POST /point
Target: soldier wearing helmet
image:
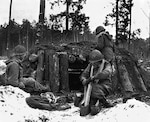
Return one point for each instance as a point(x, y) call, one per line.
point(101, 82)
point(104, 43)
point(14, 72)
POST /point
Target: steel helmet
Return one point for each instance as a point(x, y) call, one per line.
point(95, 56)
point(99, 29)
point(19, 50)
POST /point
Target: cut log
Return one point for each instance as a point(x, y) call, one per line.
point(141, 82)
point(54, 71)
point(46, 67)
point(145, 76)
point(124, 76)
point(135, 76)
point(115, 79)
point(63, 71)
point(40, 67)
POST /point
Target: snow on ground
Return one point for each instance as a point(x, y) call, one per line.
point(13, 108)
point(2, 66)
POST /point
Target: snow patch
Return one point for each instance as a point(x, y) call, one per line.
point(13, 108)
point(2, 67)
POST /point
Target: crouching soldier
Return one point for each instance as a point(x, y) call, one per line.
point(100, 81)
point(14, 73)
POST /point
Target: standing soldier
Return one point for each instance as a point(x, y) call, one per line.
point(105, 43)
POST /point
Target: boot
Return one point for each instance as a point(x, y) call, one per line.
point(77, 100)
point(95, 109)
point(127, 96)
point(84, 110)
point(95, 106)
point(105, 103)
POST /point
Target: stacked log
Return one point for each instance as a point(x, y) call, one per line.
point(46, 67)
point(130, 75)
point(123, 76)
point(63, 71)
point(54, 71)
point(40, 67)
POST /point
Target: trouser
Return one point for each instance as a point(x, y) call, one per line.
point(33, 85)
point(38, 102)
point(100, 90)
point(2, 79)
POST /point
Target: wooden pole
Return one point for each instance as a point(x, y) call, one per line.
point(42, 11)
point(130, 11)
point(41, 19)
point(149, 30)
point(68, 2)
point(117, 22)
point(27, 41)
point(8, 36)
point(10, 8)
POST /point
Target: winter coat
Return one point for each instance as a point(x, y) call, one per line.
point(14, 77)
point(14, 72)
point(101, 85)
point(105, 45)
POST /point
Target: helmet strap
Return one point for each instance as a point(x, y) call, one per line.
point(98, 35)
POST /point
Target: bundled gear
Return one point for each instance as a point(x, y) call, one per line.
point(48, 101)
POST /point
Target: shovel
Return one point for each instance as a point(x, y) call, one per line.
point(85, 110)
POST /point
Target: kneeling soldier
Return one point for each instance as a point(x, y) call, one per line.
point(101, 81)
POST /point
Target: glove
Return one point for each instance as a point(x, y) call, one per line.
point(90, 79)
point(84, 81)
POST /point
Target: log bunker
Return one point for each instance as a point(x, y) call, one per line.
point(60, 66)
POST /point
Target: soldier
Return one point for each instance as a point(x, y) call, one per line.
point(101, 81)
point(105, 43)
point(14, 72)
